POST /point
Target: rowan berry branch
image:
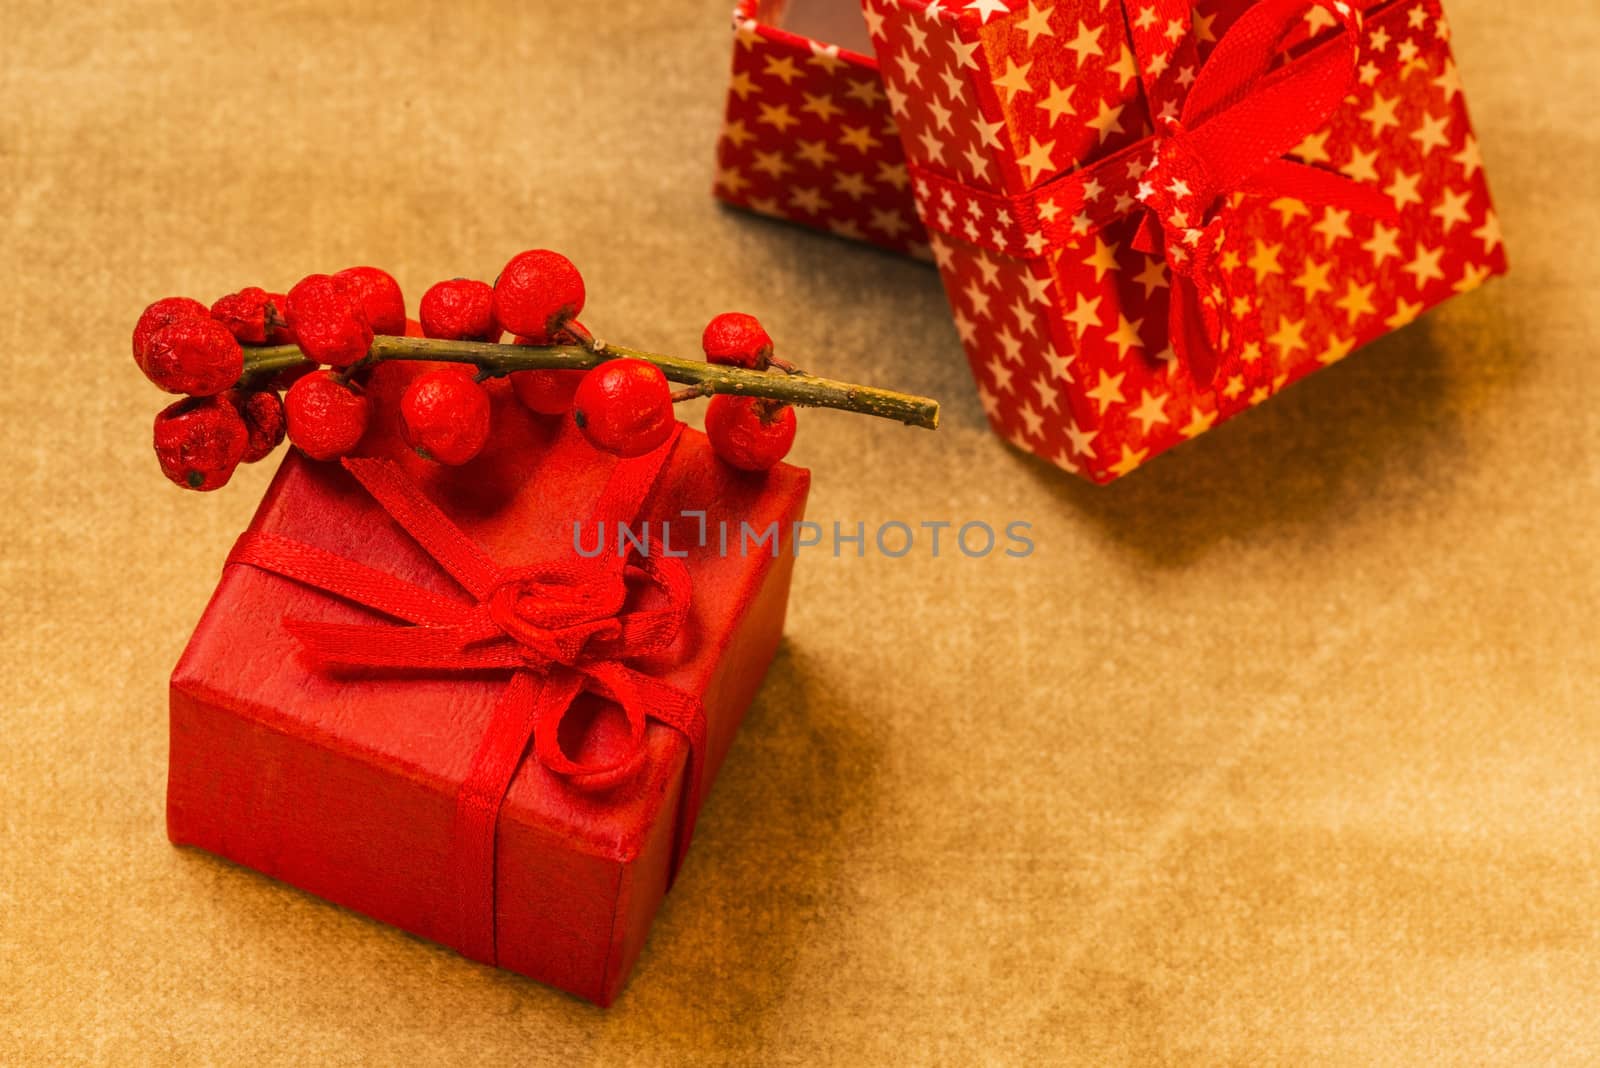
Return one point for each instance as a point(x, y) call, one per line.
point(495, 360)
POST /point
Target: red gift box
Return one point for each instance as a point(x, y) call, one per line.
point(1152, 214)
point(807, 135)
point(391, 770)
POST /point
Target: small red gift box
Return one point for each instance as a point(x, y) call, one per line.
point(808, 136)
point(1153, 214)
point(412, 694)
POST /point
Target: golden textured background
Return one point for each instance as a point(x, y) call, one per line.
point(1284, 751)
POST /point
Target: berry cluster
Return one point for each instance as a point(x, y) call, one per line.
point(232, 412)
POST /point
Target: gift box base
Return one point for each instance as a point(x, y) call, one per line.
point(808, 136)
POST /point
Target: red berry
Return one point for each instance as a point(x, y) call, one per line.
point(329, 321)
point(195, 356)
point(460, 309)
point(548, 392)
point(750, 433)
point(199, 442)
point(326, 417)
point(249, 314)
point(380, 297)
point(286, 378)
point(163, 312)
point(445, 416)
point(262, 413)
point(279, 332)
point(737, 339)
point(536, 294)
point(624, 407)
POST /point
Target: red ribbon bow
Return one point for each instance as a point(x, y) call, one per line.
point(1227, 139)
point(560, 629)
point(1237, 122)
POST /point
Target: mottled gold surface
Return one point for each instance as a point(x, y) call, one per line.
point(1284, 751)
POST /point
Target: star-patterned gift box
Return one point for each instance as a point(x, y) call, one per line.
point(807, 135)
point(1084, 166)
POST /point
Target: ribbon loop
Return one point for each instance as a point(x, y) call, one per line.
point(1238, 101)
point(602, 679)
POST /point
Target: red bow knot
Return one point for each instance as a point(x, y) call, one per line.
point(560, 630)
point(1180, 196)
point(1183, 224)
point(574, 613)
point(552, 613)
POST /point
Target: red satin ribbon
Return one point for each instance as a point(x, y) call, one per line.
point(1236, 123)
point(559, 629)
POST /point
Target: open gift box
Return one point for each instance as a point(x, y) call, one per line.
point(1151, 215)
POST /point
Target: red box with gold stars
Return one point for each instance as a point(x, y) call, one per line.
point(808, 136)
point(1151, 215)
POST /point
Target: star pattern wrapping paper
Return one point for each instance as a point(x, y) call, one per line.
point(808, 137)
point(1067, 337)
